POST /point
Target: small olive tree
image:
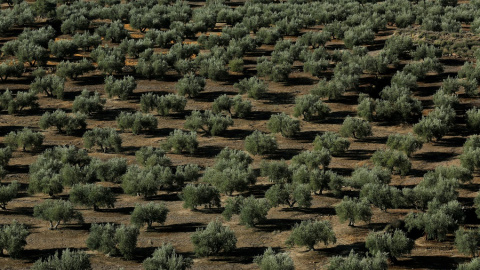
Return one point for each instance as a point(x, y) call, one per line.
point(92, 195)
point(195, 195)
point(149, 213)
point(283, 124)
point(56, 211)
point(113, 240)
point(355, 127)
point(165, 257)
point(68, 260)
point(179, 141)
point(120, 87)
point(213, 239)
point(331, 141)
point(310, 232)
point(270, 260)
point(25, 139)
point(311, 108)
point(353, 210)
point(105, 138)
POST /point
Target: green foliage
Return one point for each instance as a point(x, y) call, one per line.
point(13, 238)
point(179, 141)
point(110, 170)
point(195, 195)
point(52, 85)
point(470, 158)
point(354, 262)
point(270, 260)
point(259, 143)
point(149, 213)
point(108, 60)
point(229, 177)
point(473, 120)
point(56, 211)
point(74, 69)
point(151, 65)
point(33, 54)
point(467, 241)
point(251, 211)
point(472, 265)
point(358, 35)
point(312, 159)
point(149, 157)
point(190, 85)
point(112, 240)
point(436, 124)
point(68, 260)
point(326, 179)
point(311, 107)
point(332, 89)
point(383, 196)
point(63, 122)
point(86, 104)
point(146, 181)
point(439, 219)
point(115, 31)
point(213, 239)
point(394, 244)
point(278, 172)
point(406, 143)
point(363, 175)
point(310, 232)
point(209, 122)
point(62, 48)
point(355, 127)
point(25, 139)
point(21, 101)
point(236, 65)
point(91, 195)
point(353, 210)
point(120, 87)
point(10, 68)
point(134, 47)
point(8, 193)
point(242, 108)
point(86, 40)
point(397, 103)
point(136, 122)
point(164, 104)
point(5, 155)
point(105, 138)
point(477, 205)
point(289, 194)
point(332, 142)
point(392, 160)
point(165, 257)
point(283, 124)
point(253, 86)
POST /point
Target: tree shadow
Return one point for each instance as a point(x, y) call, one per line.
point(181, 228)
point(286, 154)
point(118, 210)
point(434, 156)
point(236, 134)
point(279, 98)
point(429, 262)
point(259, 115)
point(323, 211)
point(208, 151)
point(344, 250)
point(242, 255)
point(358, 154)
point(277, 224)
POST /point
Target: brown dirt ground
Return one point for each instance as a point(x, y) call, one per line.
point(181, 223)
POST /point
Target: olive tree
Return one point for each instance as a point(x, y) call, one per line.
point(283, 124)
point(310, 232)
point(355, 127)
point(165, 257)
point(62, 48)
point(56, 211)
point(63, 122)
point(394, 244)
point(136, 122)
point(311, 108)
point(113, 240)
point(146, 181)
point(13, 238)
point(332, 142)
point(213, 239)
point(190, 85)
point(105, 138)
point(251, 211)
point(270, 260)
point(208, 122)
point(353, 210)
point(472, 265)
point(289, 194)
point(25, 139)
point(253, 86)
point(355, 262)
point(195, 195)
point(179, 141)
point(86, 104)
point(473, 120)
point(68, 260)
point(392, 160)
point(164, 104)
point(120, 87)
point(259, 143)
point(10, 69)
point(242, 108)
point(149, 213)
point(406, 143)
point(467, 241)
point(52, 85)
point(149, 157)
point(92, 195)
point(74, 69)
point(8, 193)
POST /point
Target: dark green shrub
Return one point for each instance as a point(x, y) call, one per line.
point(68, 260)
point(74, 69)
point(165, 257)
point(63, 122)
point(355, 127)
point(8, 193)
point(52, 85)
point(353, 210)
point(86, 104)
point(120, 87)
point(10, 68)
point(213, 239)
point(25, 139)
point(113, 240)
point(208, 122)
point(393, 160)
point(331, 141)
point(251, 211)
point(274, 261)
point(311, 107)
point(146, 181)
point(62, 48)
point(136, 122)
point(148, 214)
point(105, 138)
point(179, 141)
point(289, 194)
point(190, 85)
point(467, 241)
point(56, 211)
point(91, 195)
point(201, 194)
point(149, 157)
point(254, 87)
point(283, 124)
point(310, 232)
